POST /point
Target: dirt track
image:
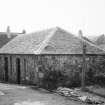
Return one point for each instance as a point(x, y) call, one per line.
point(21, 95)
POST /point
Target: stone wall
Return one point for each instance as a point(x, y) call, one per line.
point(33, 67)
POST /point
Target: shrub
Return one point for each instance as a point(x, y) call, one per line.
point(53, 79)
point(100, 79)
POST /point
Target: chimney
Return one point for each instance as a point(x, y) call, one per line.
point(24, 31)
point(80, 34)
point(8, 32)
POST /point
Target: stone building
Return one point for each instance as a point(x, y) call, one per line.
point(25, 58)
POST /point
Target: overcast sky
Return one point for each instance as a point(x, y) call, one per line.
point(72, 15)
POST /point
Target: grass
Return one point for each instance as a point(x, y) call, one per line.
point(97, 90)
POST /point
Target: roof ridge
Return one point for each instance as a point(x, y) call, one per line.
point(45, 42)
point(37, 31)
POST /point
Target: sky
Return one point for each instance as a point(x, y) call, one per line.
point(71, 15)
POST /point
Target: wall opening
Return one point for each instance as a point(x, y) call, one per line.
point(18, 70)
point(24, 69)
point(11, 66)
point(6, 68)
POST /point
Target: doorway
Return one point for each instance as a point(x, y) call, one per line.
point(6, 68)
point(18, 70)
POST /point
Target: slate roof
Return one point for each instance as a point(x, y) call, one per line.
point(100, 41)
point(5, 39)
point(50, 41)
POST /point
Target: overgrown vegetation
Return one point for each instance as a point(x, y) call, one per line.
point(53, 79)
point(96, 72)
point(71, 76)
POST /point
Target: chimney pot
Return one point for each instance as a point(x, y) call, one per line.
point(80, 34)
point(24, 31)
